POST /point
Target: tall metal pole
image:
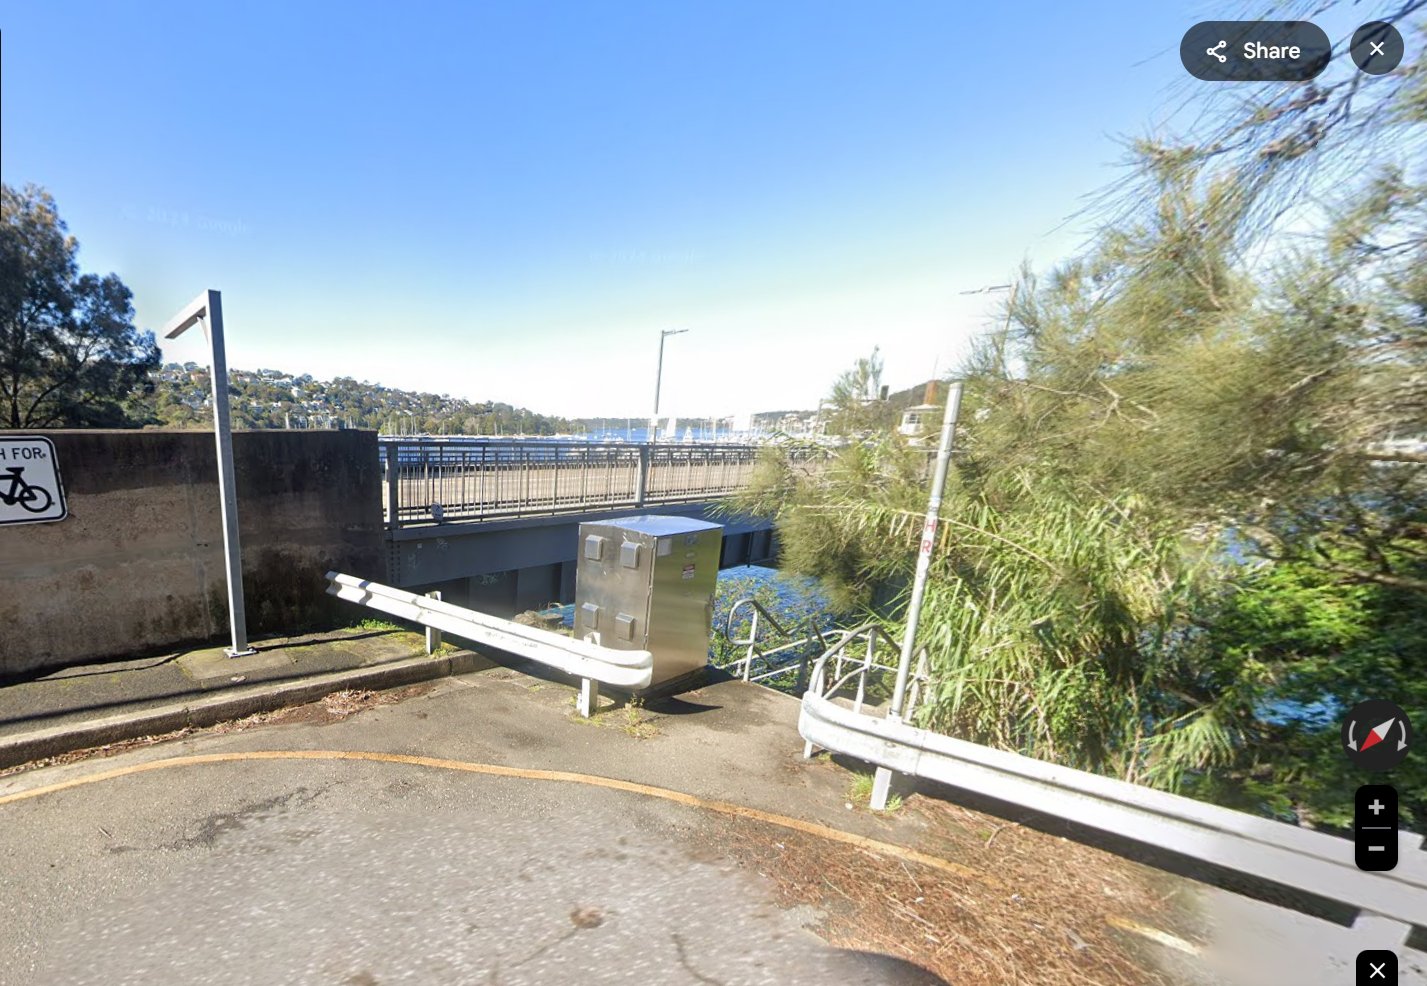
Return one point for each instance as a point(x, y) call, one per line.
point(227, 484)
point(659, 380)
point(882, 779)
point(924, 554)
point(207, 309)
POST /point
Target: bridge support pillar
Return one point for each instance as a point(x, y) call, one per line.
point(536, 586)
point(735, 550)
point(393, 493)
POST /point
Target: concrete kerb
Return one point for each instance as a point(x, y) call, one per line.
point(22, 748)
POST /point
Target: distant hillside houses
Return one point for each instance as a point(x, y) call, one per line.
point(267, 398)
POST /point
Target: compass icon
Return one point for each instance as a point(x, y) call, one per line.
point(1376, 735)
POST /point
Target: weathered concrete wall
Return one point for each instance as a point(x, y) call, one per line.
point(138, 564)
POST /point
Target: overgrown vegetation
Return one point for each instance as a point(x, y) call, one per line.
point(1186, 524)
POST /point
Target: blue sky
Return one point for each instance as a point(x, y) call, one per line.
point(508, 201)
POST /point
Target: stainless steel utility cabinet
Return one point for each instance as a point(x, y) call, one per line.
point(647, 583)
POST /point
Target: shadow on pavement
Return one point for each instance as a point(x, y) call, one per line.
point(62, 674)
point(665, 700)
point(891, 970)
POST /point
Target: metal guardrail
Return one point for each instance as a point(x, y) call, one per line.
point(436, 480)
point(591, 663)
point(1315, 862)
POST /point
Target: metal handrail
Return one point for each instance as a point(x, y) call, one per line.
point(756, 651)
point(758, 610)
point(860, 668)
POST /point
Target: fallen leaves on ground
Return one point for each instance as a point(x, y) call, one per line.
point(1048, 924)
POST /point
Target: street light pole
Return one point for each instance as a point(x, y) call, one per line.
point(924, 552)
point(207, 308)
point(882, 779)
point(659, 380)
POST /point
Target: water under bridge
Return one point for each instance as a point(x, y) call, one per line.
point(492, 524)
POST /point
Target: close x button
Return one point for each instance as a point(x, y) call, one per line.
point(1376, 967)
point(1375, 827)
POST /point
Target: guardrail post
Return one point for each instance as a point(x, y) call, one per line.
point(641, 481)
point(589, 700)
point(393, 500)
point(881, 789)
point(433, 636)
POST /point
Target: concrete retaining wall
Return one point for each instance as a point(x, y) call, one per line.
point(138, 565)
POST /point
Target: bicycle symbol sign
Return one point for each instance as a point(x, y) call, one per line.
point(30, 488)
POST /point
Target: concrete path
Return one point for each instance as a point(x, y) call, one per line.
point(83, 693)
point(95, 705)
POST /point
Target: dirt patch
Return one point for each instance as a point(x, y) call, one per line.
point(1047, 913)
point(331, 708)
point(628, 716)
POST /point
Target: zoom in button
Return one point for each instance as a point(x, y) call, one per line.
point(1255, 51)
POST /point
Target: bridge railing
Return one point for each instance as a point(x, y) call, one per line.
point(436, 480)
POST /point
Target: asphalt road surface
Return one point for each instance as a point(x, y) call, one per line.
point(316, 868)
point(358, 872)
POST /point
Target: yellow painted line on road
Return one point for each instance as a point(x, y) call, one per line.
point(1154, 934)
point(560, 776)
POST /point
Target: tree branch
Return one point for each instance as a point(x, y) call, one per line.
point(1381, 578)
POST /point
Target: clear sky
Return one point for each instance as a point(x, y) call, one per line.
point(507, 201)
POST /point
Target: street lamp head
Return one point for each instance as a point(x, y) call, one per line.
point(189, 316)
point(672, 332)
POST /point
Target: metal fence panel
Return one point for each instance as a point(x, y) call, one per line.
point(436, 481)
